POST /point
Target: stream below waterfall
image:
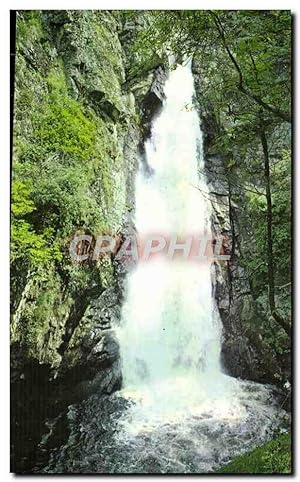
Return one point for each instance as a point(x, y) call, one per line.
point(113, 434)
point(178, 412)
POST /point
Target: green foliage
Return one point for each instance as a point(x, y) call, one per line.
point(281, 198)
point(62, 126)
point(25, 242)
point(66, 161)
point(245, 56)
point(29, 27)
point(58, 157)
point(22, 204)
point(254, 220)
point(273, 457)
point(67, 147)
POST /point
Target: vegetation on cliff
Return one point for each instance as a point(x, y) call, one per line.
point(70, 122)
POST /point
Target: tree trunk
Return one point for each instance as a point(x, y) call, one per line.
point(283, 323)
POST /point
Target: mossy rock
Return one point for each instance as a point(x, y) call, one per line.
point(273, 457)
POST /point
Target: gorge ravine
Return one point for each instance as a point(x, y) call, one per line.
point(178, 412)
point(65, 354)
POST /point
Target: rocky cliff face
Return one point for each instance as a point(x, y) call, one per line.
point(63, 317)
point(246, 352)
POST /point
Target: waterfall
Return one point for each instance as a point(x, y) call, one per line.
point(170, 336)
point(177, 412)
point(171, 333)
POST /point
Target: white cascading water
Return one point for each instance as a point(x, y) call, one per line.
point(171, 334)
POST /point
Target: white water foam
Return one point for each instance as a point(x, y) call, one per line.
point(171, 333)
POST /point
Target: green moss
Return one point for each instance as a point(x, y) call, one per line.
point(29, 27)
point(42, 322)
point(106, 272)
point(62, 125)
point(111, 73)
point(273, 457)
point(89, 40)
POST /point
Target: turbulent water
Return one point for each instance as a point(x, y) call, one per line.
point(170, 338)
point(178, 411)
